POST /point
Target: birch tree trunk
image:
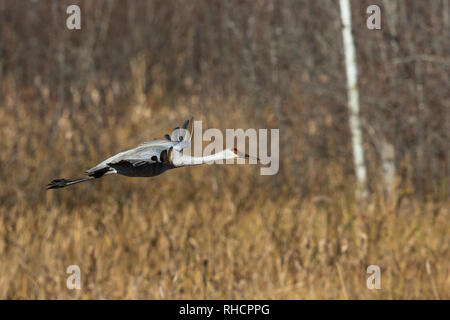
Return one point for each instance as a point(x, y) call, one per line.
point(353, 97)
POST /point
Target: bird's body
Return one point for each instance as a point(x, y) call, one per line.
point(150, 158)
point(142, 161)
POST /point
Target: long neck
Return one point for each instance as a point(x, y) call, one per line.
point(185, 160)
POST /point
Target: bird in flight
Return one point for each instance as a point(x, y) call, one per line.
point(151, 158)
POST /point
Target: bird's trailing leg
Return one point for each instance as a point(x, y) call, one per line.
point(61, 183)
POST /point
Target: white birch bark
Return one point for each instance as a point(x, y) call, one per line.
point(353, 96)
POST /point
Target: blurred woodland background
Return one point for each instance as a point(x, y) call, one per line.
point(136, 69)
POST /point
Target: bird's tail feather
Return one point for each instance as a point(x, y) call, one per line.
point(61, 183)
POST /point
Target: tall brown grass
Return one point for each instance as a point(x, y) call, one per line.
point(216, 232)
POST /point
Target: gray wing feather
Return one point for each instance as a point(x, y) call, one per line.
point(143, 154)
point(146, 152)
point(150, 143)
point(137, 162)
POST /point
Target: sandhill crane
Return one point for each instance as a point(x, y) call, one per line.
point(151, 158)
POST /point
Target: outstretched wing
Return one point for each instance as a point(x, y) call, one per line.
point(149, 152)
point(182, 136)
point(184, 133)
point(132, 162)
point(180, 139)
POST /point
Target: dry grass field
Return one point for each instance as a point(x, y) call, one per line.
point(136, 69)
point(216, 232)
